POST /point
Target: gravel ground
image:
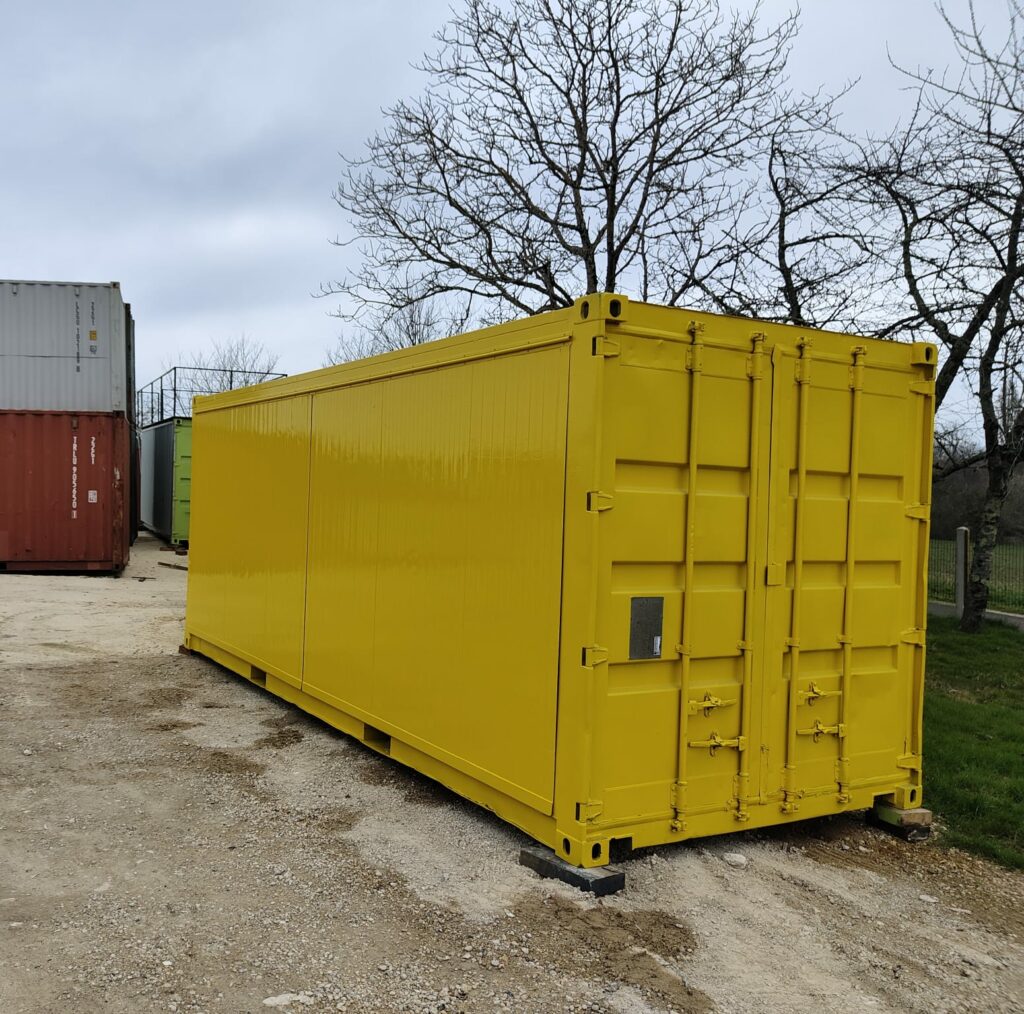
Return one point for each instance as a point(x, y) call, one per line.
point(173, 839)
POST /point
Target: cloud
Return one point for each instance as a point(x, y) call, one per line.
point(189, 151)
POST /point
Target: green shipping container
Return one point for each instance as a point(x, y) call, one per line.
point(166, 488)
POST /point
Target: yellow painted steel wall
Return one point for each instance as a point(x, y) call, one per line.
point(435, 562)
point(247, 553)
point(466, 532)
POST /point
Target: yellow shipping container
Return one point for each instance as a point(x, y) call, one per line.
point(623, 574)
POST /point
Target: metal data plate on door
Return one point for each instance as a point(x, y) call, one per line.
point(645, 622)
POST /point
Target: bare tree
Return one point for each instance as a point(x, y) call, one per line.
point(400, 329)
point(808, 239)
point(564, 146)
point(233, 363)
point(953, 180)
point(342, 351)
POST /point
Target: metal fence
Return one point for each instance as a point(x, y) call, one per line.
point(1005, 586)
point(942, 570)
point(170, 395)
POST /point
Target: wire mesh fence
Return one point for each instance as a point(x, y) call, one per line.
point(942, 570)
point(1005, 586)
point(170, 395)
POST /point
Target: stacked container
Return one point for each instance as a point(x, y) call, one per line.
point(68, 480)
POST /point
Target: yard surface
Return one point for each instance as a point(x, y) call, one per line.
point(173, 839)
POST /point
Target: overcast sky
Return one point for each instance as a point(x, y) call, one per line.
point(189, 151)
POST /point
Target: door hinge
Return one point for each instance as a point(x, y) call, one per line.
point(594, 654)
point(589, 811)
point(912, 636)
point(605, 346)
point(755, 361)
point(918, 511)
point(678, 807)
point(925, 387)
point(859, 352)
point(910, 761)
point(598, 501)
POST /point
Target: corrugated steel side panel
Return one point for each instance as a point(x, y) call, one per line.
point(181, 492)
point(435, 532)
point(251, 475)
point(157, 470)
point(543, 329)
point(63, 491)
point(133, 484)
point(63, 347)
point(166, 478)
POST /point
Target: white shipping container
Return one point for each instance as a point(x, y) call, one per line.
point(147, 476)
point(66, 347)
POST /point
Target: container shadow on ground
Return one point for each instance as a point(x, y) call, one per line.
point(375, 768)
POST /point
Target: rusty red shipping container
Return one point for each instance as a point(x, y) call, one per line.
point(64, 491)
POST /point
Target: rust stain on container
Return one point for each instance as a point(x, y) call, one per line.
point(64, 491)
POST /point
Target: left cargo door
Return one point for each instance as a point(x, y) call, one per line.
point(682, 556)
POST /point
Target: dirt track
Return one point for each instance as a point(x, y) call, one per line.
point(172, 839)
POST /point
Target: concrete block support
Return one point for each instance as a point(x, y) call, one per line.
point(910, 825)
point(600, 880)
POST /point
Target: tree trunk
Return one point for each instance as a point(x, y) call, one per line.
point(976, 599)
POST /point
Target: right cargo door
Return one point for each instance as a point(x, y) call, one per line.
point(843, 633)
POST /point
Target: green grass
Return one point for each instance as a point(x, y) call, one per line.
point(974, 738)
point(1005, 586)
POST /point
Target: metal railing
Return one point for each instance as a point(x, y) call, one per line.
point(170, 395)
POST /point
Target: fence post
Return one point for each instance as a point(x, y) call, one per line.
point(962, 567)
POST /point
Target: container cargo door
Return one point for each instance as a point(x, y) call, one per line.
point(682, 536)
point(760, 552)
point(845, 606)
point(63, 491)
